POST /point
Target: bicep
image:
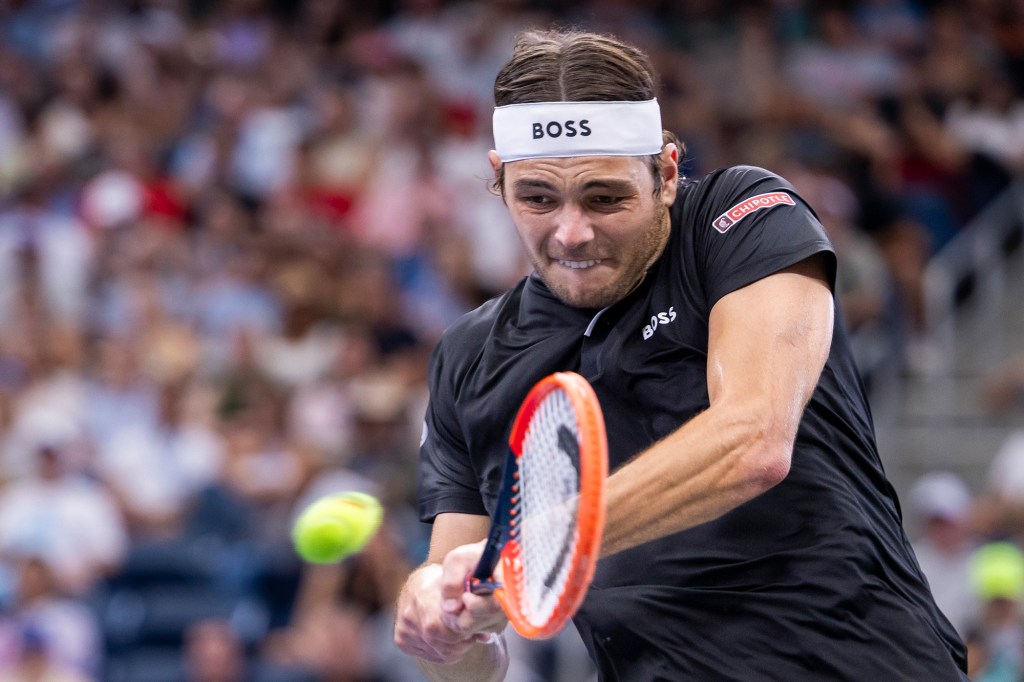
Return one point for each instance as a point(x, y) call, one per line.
point(768, 343)
point(453, 530)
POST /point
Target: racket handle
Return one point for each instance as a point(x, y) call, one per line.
point(481, 580)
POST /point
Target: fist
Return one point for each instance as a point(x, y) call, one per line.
point(436, 619)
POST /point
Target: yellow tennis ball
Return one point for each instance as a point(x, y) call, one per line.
point(336, 526)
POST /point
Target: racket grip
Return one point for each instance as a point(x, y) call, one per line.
point(481, 581)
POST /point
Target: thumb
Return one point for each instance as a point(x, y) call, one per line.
point(457, 565)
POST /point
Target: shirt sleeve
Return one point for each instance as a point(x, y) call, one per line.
point(447, 480)
point(750, 224)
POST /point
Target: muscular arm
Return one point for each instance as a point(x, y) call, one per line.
point(767, 345)
point(452, 635)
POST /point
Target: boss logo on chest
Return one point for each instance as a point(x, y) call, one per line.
point(659, 319)
point(561, 128)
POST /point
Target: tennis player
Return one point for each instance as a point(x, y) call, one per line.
point(751, 532)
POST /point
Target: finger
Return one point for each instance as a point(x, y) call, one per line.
point(457, 564)
point(410, 641)
point(450, 610)
point(481, 605)
point(447, 645)
point(483, 616)
point(474, 614)
point(451, 621)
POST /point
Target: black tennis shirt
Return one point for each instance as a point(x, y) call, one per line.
point(813, 580)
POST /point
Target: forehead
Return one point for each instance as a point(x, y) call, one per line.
point(578, 170)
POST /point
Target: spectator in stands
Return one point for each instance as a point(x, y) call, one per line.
point(942, 506)
point(248, 506)
point(70, 521)
point(1004, 500)
point(155, 468)
point(308, 343)
point(62, 630)
point(117, 395)
point(337, 158)
point(35, 663)
point(1003, 386)
point(997, 578)
point(43, 251)
point(213, 653)
point(235, 304)
point(48, 405)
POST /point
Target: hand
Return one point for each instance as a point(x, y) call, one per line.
point(437, 620)
point(464, 611)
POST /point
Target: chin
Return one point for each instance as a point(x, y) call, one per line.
point(601, 290)
point(586, 299)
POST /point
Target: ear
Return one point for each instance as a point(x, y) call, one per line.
point(495, 160)
point(499, 181)
point(669, 173)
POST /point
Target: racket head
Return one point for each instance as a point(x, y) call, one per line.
point(555, 536)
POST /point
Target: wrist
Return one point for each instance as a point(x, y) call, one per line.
point(486, 661)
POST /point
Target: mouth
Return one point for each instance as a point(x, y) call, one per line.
point(579, 264)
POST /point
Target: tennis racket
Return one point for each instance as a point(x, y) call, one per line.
point(547, 530)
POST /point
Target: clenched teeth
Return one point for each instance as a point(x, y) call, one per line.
point(579, 264)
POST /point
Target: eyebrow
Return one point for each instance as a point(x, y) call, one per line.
point(613, 185)
point(521, 185)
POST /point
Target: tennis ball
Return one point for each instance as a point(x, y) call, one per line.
point(336, 526)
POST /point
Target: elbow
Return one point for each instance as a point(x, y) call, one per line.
point(773, 466)
point(767, 460)
point(758, 445)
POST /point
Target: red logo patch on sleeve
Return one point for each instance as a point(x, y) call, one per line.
point(741, 210)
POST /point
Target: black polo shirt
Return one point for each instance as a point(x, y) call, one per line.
point(813, 580)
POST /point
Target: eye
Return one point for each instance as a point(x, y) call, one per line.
point(536, 200)
point(606, 202)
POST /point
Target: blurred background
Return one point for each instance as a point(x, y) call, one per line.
point(231, 232)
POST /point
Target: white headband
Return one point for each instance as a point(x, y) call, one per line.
point(560, 129)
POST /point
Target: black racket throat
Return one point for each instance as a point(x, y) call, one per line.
point(481, 581)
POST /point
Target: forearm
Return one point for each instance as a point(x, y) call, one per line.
point(485, 662)
point(712, 464)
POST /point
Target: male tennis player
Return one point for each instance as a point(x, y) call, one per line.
point(751, 532)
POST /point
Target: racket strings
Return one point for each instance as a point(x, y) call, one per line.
point(549, 489)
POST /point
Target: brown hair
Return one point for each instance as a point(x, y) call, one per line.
point(573, 66)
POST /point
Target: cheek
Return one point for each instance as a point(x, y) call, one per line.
point(624, 230)
point(532, 230)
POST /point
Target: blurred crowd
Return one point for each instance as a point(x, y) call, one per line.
point(231, 232)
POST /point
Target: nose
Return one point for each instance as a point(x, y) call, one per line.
point(573, 228)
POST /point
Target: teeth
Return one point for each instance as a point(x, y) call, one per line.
point(578, 264)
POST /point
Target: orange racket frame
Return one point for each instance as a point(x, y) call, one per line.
point(593, 463)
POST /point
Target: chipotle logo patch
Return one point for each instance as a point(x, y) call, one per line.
point(751, 205)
